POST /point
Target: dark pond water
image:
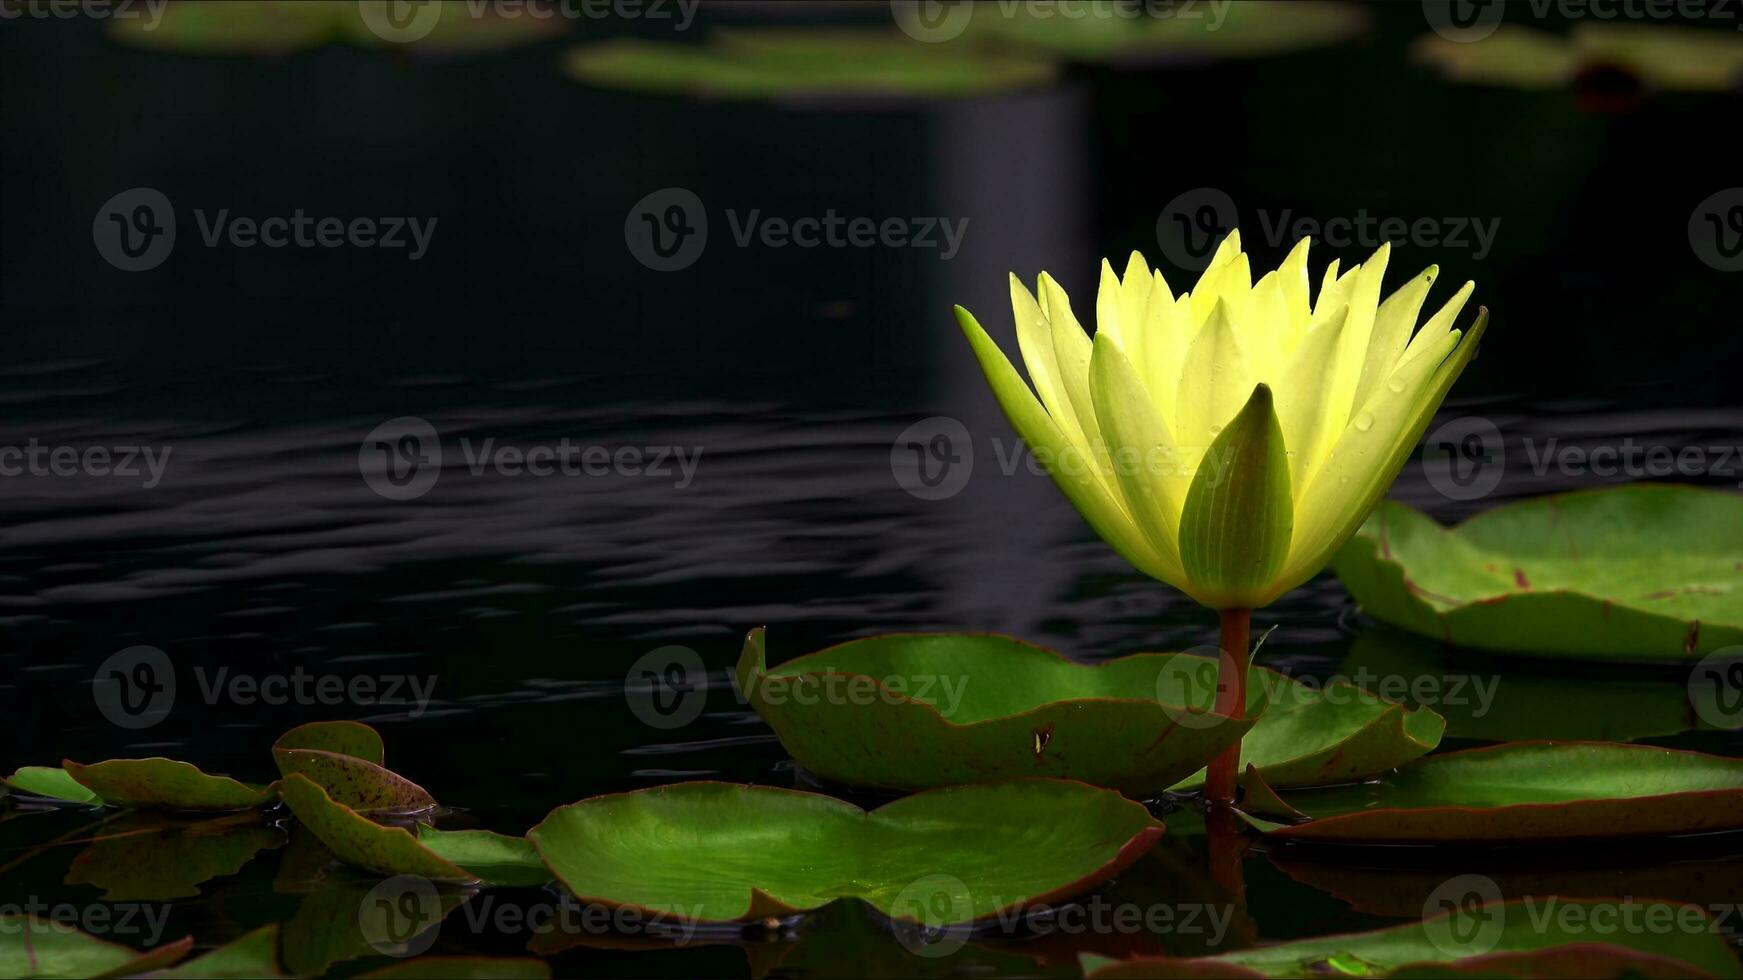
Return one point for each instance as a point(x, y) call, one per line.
point(518, 604)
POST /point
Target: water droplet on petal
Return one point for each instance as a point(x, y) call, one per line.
point(1396, 384)
point(1364, 421)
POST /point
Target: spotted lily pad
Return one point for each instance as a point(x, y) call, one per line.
point(921, 710)
point(34, 947)
point(1523, 791)
point(942, 857)
point(1499, 939)
point(803, 64)
point(165, 784)
point(355, 783)
point(1336, 732)
point(251, 955)
point(51, 783)
point(1643, 572)
point(280, 27)
point(352, 738)
point(360, 842)
point(1188, 34)
point(1656, 55)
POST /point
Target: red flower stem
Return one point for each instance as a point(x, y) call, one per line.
point(1231, 701)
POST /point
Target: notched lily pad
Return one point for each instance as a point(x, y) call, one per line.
point(923, 710)
point(1501, 939)
point(166, 784)
point(942, 857)
point(802, 65)
point(1643, 572)
point(360, 842)
point(34, 947)
point(50, 783)
point(1317, 735)
point(1525, 791)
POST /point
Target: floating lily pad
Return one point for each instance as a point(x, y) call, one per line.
point(355, 783)
point(160, 864)
point(1502, 939)
point(360, 842)
point(462, 968)
point(165, 784)
point(352, 738)
point(251, 955)
point(51, 783)
point(1524, 791)
point(33, 947)
point(915, 711)
point(280, 27)
point(494, 858)
point(938, 858)
point(803, 64)
point(1187, 35)
point(1643, 572)
point(1658, 55)
point(1316, 735)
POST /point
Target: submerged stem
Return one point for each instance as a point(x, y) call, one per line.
point(1231, 701)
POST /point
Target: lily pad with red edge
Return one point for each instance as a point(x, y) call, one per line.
point(252, 955)
point(1317, 735)
point(1251, 29)
point(1526, 791)
point(942, 857)
point(805, 66)
point(352, 738)
point(34, 947)
point(1500, 939)
point(51, 783)
point(158, 861)
point(360, 842)
point(355, 783)
point(922, 710)
point(1637, 573)
point(165, 784)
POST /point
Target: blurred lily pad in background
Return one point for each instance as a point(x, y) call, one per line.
point(1636, 573)
point(805, 65)
point(278, 27)
point(1659, 56)
point(1166, 35)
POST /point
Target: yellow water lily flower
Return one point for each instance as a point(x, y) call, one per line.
point(1230, 439)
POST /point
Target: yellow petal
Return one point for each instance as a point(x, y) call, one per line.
point(1109, 310)
point(1346, 375)
point(1301, 394)
point(1392, 326)
point(1262, 321)
point(1438, 325)
point(1035, 341)
point(1141, 451)
point(1238, 519)
point(1078, 482)
point(1230, 281)
point(1214, 383)
point(1292, 275)
point(1071, 352)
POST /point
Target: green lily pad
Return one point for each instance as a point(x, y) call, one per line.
point(360, 842)
point(803, 64)
point(51, 783)
point(494, 858)
point(942, 857)
point(281, 27)
point(1502, 939)
point(33, 947)
point(355, 783)
point(1642, 572)
point(917, 711)
point(346, 918)
point(463, 968)
point(251, 955)
point(1525, 791)
point(166, 784)
point(1317, 735)
point(160, 864)
point(1190, 35)
point(1662, 56)
point(352, 738)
